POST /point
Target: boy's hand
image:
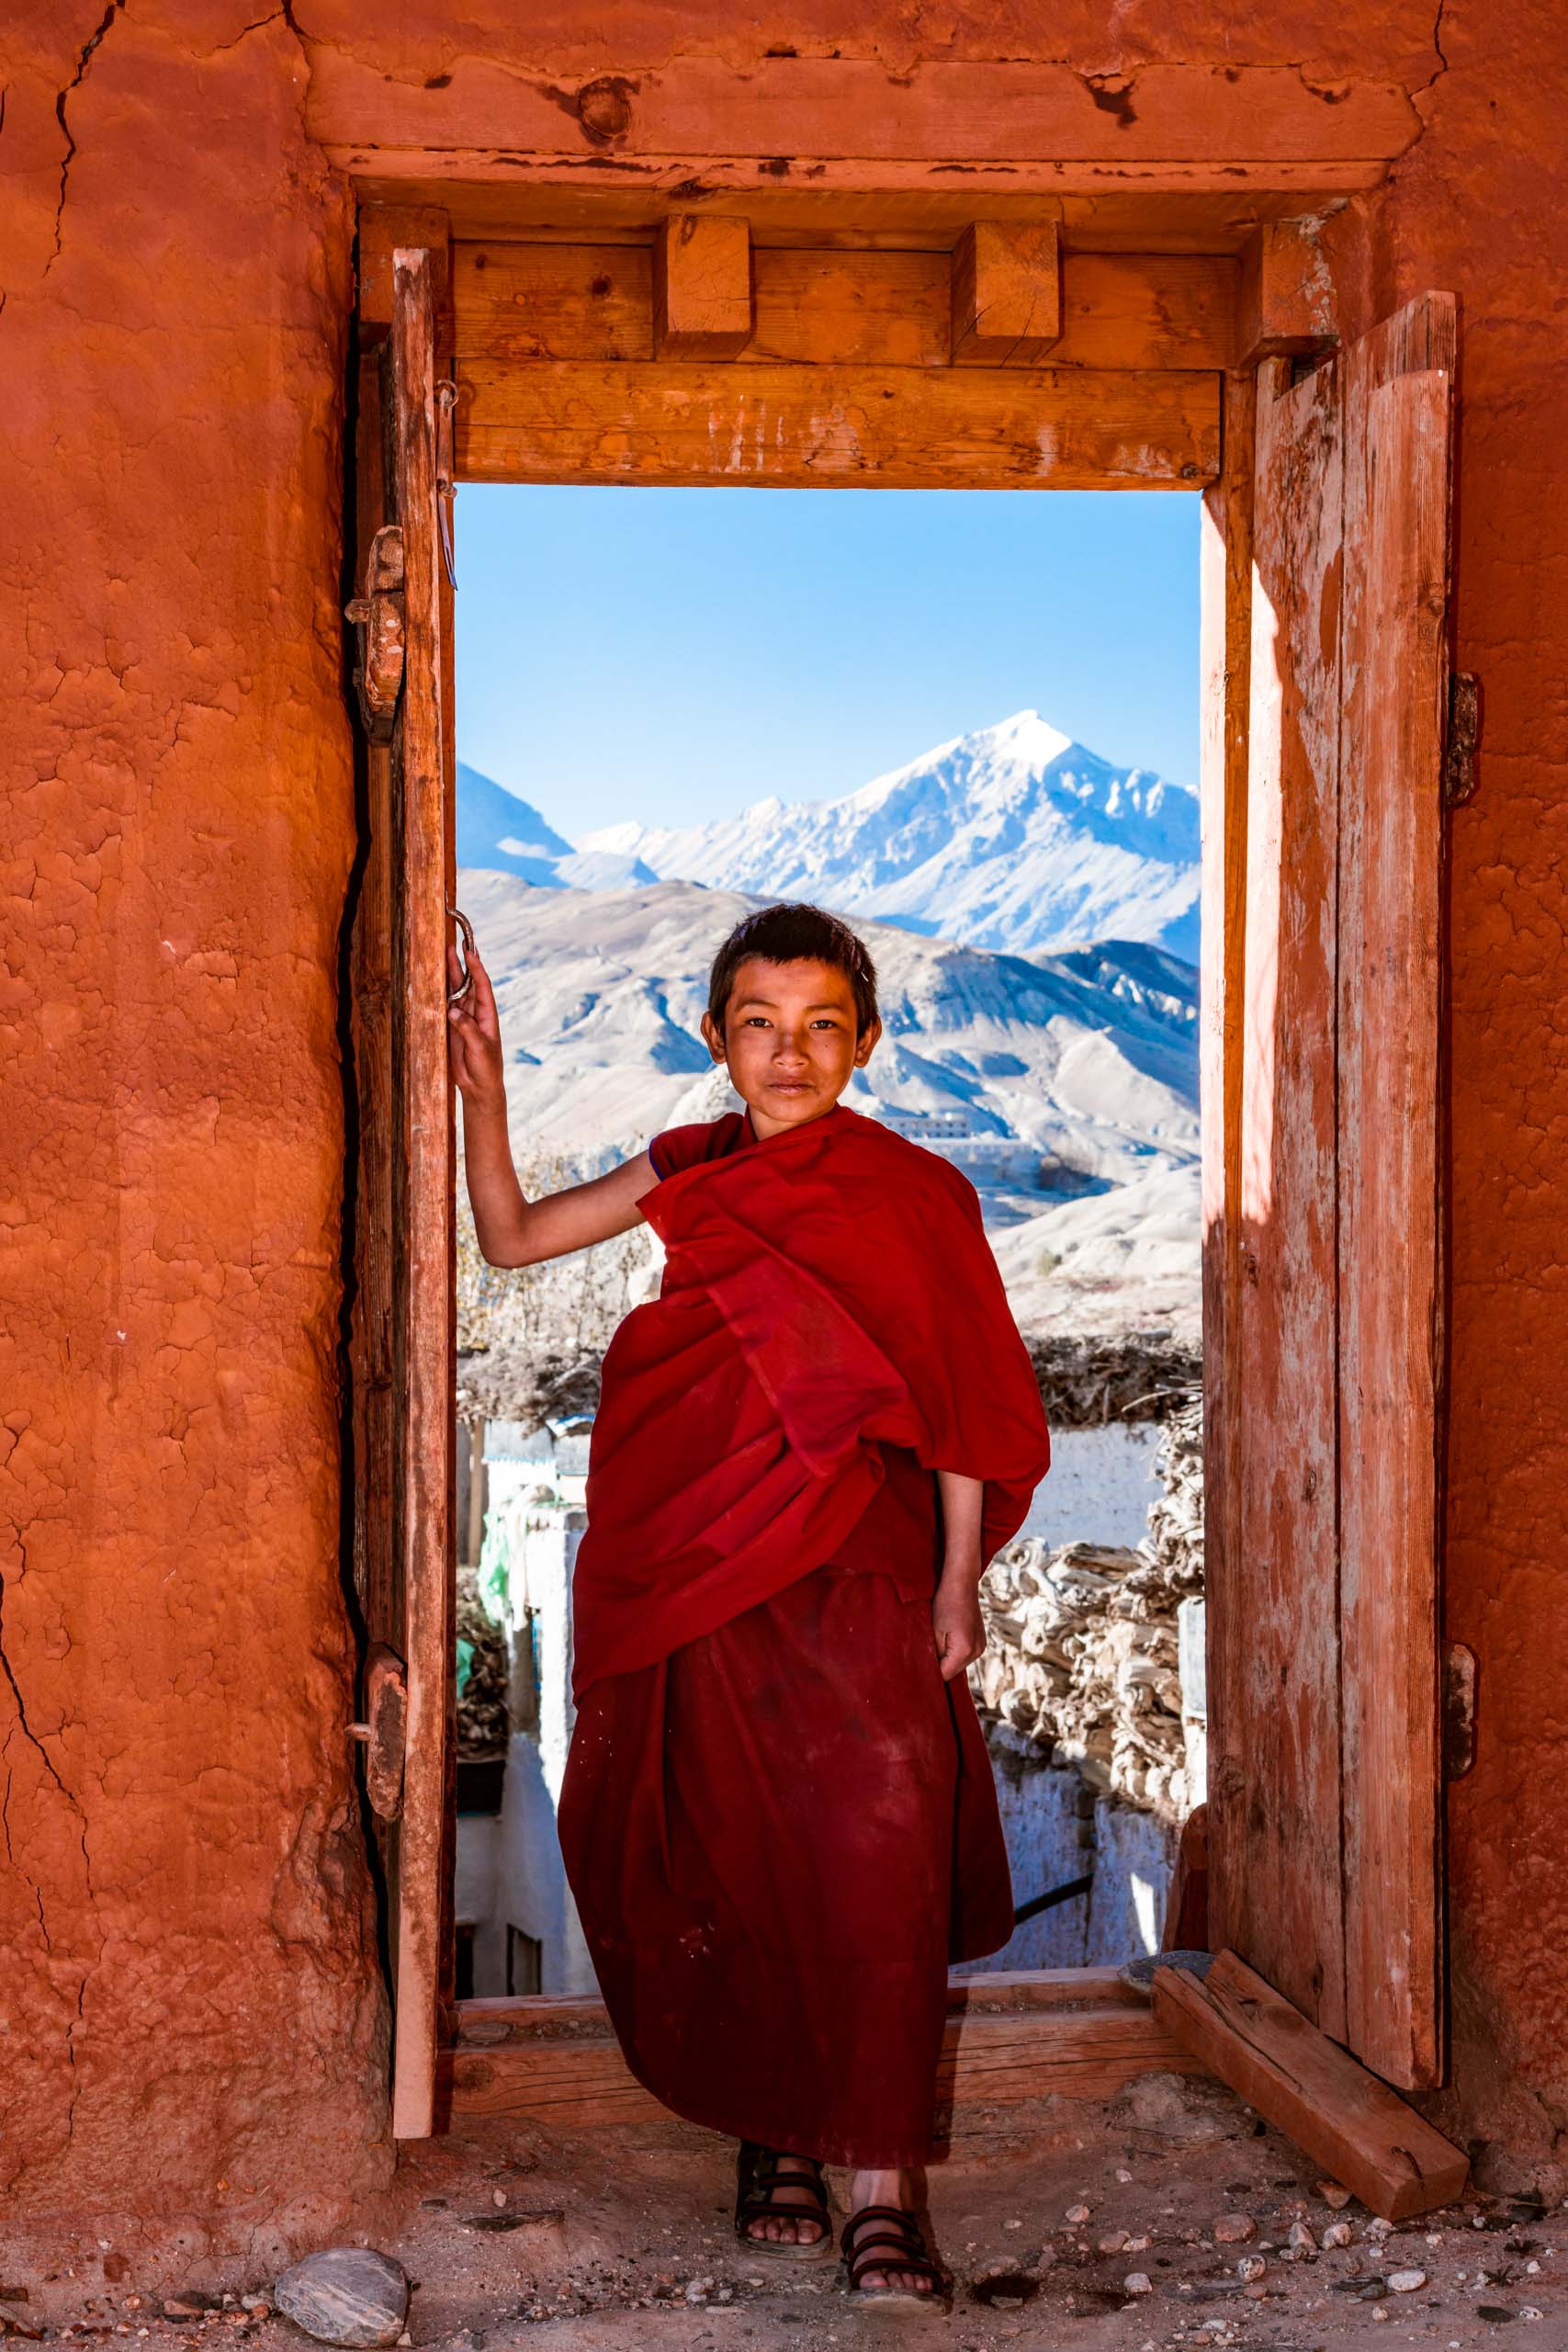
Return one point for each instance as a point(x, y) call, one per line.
point(473, 1034)
point(958, 1623)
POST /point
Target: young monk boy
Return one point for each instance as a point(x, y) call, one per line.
point(778, 1817)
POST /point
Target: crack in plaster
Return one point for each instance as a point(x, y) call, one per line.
point(62, 99)
point(1442, 64)
point(48, 1762)
point(283, 15)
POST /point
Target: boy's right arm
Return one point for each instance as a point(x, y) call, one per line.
point(511, 1230)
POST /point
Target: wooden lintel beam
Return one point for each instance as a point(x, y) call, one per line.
point(976, 429)
point(817, 306)
point(1310, 2088)
point(702, 287)
point(1007, 293)
point(1285, 303)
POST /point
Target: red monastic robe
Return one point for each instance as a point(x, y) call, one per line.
point(778, 1821)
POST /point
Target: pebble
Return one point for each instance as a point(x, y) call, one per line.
point(1378, 2312)
point(1337, 2233)
point(349, 2294)
point(1138, 2246)
point(1114, 2243)
point(1332, 2194)
point(1380, 2228)
point(1138, 2282)
point(1405, 2282)
point(1301, 2240)
point(1255, 2293)
point(1528, 2311)
point(1250, 2267)
point(1123, 2176)
point(498, 2196)
point(1235, 2229)
point(1078, 2214)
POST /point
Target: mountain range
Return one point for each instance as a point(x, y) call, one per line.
point(1063, 1085)
point(1013, 838)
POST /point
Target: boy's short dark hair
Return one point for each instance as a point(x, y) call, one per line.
point(792, 933)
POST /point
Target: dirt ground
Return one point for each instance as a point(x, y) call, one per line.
point(1064, 2224)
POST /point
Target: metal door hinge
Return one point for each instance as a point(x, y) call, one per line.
point(377, 614)
point(1464, 734)
point(383, 1732)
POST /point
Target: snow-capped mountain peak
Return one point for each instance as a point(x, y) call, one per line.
point(1013, 837)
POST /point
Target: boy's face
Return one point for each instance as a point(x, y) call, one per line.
point(790, 1040)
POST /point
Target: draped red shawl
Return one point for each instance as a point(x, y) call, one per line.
point(829, 1290)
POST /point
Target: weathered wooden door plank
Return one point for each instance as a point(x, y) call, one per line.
point(1275, 1785)
point(422, 1215)
point(1397, 403)
point(1226, 584)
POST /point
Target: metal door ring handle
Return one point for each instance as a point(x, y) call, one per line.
point(455, 914)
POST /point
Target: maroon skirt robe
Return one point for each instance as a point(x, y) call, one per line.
point(779, 1823)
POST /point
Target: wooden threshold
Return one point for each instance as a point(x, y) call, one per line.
point(1312, 2090)
point(1077, 2033)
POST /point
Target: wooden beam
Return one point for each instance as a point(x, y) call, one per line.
point(1275, 1784)
point(902, 427)
point(817, 306)
point(1007, 293)
point(1344, 2117)
point(1224, 574)
point(1398, 395)
point(1077, 2033)
point(382, 228)
point(422, 1198)
point(851, 206)
point(1286, 303)
point(797, 112)
point(702, 287)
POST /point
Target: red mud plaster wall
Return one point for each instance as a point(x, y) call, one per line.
point(1481, 205)
point(192, 2024)
point(192, 2027)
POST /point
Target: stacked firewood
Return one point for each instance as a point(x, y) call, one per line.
point(481, 1701)
point(1083, 1646)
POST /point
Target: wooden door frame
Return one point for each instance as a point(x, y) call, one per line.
point(598, 414)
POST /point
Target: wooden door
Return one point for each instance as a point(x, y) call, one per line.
point(402, 1356)
point(1323, 1218)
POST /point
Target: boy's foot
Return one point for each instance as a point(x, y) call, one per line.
point(885, 2255)
point(780, 2204)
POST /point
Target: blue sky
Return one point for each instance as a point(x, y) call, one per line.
point(672, 654)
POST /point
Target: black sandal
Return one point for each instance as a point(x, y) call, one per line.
point(886, 2237)
point(758, 2180)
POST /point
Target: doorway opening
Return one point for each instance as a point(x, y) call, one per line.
point(968, 723)
point(544, 360)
